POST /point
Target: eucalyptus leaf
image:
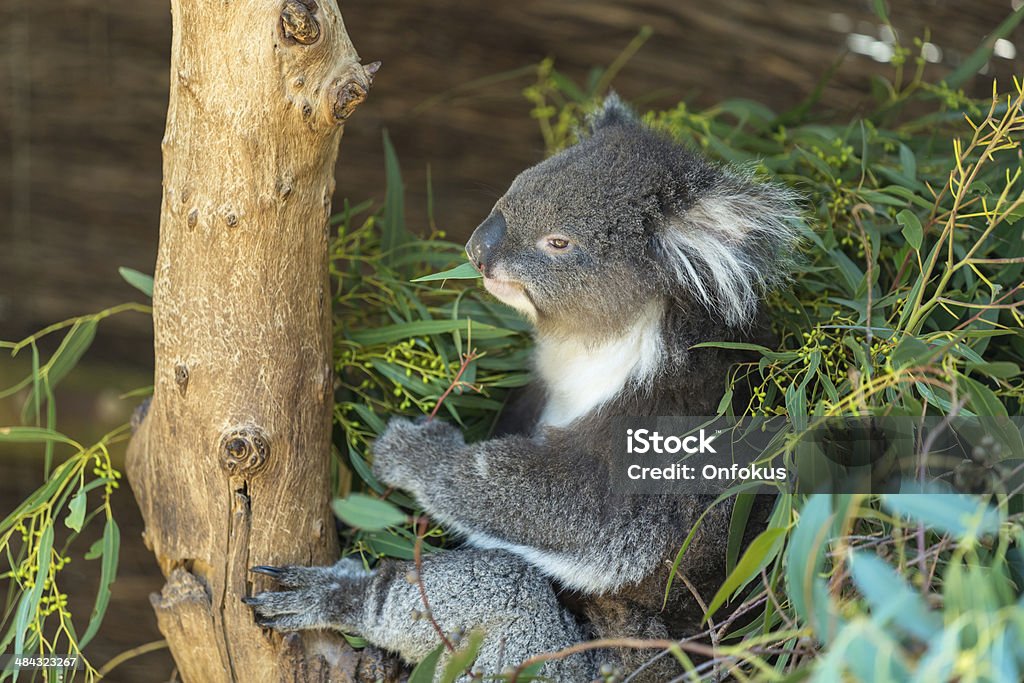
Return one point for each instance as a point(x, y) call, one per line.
point(463, 271)
point(912, 230)
point(76, 511)
point(365, 512)
point(140, 281)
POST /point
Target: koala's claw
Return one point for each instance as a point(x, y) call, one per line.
point(315, 597)
point(291, 577)
point(272, 572)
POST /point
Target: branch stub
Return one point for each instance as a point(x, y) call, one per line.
point(244, 450)
point(298, 22)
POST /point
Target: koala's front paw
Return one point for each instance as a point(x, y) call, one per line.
point(408, 450)
point(315, 597)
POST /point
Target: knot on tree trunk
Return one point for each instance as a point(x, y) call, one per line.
point(299, 22)
point(244, 450)
point(345, 94)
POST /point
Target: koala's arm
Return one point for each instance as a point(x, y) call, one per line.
point(542, 500)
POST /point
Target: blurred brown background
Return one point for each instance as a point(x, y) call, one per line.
point(83, 93)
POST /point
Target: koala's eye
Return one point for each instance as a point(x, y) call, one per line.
point(557, 243)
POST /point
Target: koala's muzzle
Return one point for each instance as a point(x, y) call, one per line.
point(485, 240)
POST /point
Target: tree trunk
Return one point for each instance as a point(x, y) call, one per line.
point(230, 464)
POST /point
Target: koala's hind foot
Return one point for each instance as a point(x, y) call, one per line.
point(315, 597)
point(468, 589)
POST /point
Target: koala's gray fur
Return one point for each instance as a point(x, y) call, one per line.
point(625, 251)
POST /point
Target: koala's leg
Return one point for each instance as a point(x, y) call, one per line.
point(468, 589)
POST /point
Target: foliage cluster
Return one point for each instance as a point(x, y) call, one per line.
point(44, 533)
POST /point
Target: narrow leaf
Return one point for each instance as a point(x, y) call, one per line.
point(34, 435)
point(890, 597)
point(951, 513)
point(394, 234)
point(463, 658)
point(424, 671)
point(140, 281)
point(464, 271)
point(108, 572)
point(761, 551)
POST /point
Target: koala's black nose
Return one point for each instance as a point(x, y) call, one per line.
point(485, 240)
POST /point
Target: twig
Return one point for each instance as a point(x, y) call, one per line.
point(775, 601)
point(603, 643)
point(738, 612)
point(467, 358)
point(704, 608)
point(855, 214)
point(421, 531)
point(131, 654)
point(722, 630)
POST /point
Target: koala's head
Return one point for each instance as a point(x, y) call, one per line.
point(585, 240)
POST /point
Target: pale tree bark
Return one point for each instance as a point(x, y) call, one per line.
point(230, 465)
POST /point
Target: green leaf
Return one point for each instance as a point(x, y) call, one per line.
point(796, 406)
point(34, 435)
point(363, 512)
point(355, 641)
point(464, 271)
point(532, 673)
point(746, 346)
point(910, 351)
point(463, 658)
point(108, 572)
point(950, 513)
point(912, 230)
point(424, 328)
point(938, 663)
point(140, 281)
point(761, 551)
point(424, 671)
point(29, 603)
point(95, 550)
point(983, 401)
point(74, 345)
point(890, 597)
point(908, 163)
point(72, 348)
point(874, 658)
point(737, 529)
point(853, 275)
point(806, 554)
point(76, 511)
point(392, 545)
point(44, 493)
point(394, 233)
point(880, 12)
point(686, 544)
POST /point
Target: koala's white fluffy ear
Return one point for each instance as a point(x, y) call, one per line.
point(733, 244)
point(613, 112)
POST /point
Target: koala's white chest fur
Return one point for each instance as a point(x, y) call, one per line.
point(582, 376)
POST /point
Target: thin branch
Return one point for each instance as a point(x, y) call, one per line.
point(467, 358)
point(132, 654)
point(603, 643)
point(421, 531)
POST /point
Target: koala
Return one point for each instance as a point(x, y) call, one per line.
point(624, 251)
